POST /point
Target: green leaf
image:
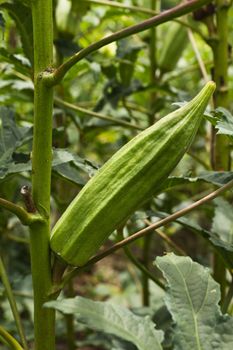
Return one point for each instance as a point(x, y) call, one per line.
point(22, 16)
point(218, 178)
point(65, 163)
point(174, 43)
point(11, 138)
point(225, 122)
point(113, 319)
point(11, 135)
point(127, 52)
point(71, 167)
point(211, 237)
point(192, 300)
point(61, 156)
point(222, 226)
point(69, 172)
point(222, 120)
point(20, 63)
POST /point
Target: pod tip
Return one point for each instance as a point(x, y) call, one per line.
point(211, 84)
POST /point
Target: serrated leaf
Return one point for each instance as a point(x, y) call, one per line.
point(65, 163)
point(222, 120)
point(192, 299)
point(218, 178)
point(64, 156)
point(225, 122)
point(71, 167)
point(113, 319)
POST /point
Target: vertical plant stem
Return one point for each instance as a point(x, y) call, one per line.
point(152, 51)
point(153, 60)
point(154, 5)
point(221, 98)
point(228, 299)
point(12, 302)
point(220, 75)
point(142, 268)
point(70, 320)
point(145, 279)
point(44, 319)
point(198, 56)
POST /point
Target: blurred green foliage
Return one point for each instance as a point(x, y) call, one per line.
point(115, 82)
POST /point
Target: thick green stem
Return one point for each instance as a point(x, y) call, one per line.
point(220, 76)
point(152, 52)
point(44, 319)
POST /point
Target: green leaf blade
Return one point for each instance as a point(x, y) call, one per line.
point(192, 299)
point(113, 319)
point(222, 226)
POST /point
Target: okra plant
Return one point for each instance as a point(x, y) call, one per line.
point(94, 160)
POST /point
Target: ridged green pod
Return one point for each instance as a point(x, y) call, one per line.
point(175, 41)
point(126, 181)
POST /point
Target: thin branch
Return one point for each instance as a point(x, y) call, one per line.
point(12, 302)
point(192, 28)
point(17, 238)
point(145, 231)
point(199, 60)
point(187, 70)
point(134, 107)
point(140, 265)
point(199, 160)
point(177, 11)
point(198, 56)
point(96, 115)
point(12, 342)
point(228, 298)
point(143, 11)
point(142, 268)
point(167, 239)
point(25, 217)
point(121, 6)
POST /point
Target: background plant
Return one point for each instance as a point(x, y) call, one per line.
point(101, 103)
